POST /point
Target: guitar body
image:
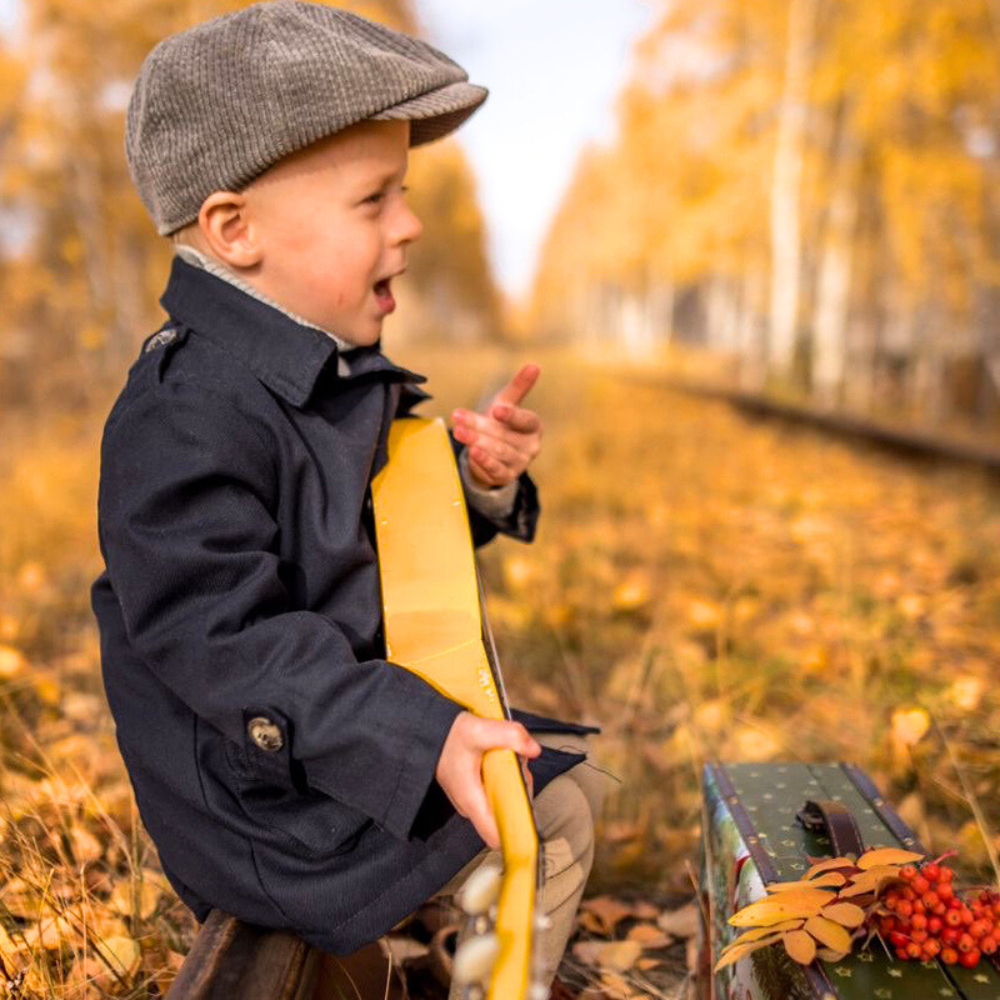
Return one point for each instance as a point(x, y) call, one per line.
point(435, 626)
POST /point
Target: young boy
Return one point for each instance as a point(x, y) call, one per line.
point(286, 771)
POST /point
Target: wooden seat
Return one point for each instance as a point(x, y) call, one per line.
point(230, 959)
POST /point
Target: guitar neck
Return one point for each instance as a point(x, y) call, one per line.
point(435, 625)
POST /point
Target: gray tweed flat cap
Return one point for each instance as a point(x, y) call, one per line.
point(217, 104)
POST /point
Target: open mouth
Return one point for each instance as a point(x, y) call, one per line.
point(383, 295)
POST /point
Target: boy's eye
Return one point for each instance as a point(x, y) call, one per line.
point(377, 196)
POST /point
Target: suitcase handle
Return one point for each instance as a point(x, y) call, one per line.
point(836, 821)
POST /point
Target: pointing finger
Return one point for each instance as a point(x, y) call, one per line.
point(517, 388)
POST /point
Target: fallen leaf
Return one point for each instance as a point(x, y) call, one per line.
point(828, 933)
point(609, 911)
point(649, 936)
point(823, 866)
point(682, 923)
point(831, 878)
point(909, 727)
point(800, 946)
point(123, 952)
point(758, 932)
point(783, 906)
point(887, 856)
point(846, 914)
point(617, 955)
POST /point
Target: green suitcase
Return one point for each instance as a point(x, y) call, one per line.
point(751, 836)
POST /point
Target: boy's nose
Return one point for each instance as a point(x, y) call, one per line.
point(409, 227)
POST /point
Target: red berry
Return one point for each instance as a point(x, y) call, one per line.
point(953, 918)
point(934, 925)
point(965, 943)
point(891, 898)
point(932, 947)
point(904, 907)
point(907, 872)
point(898, 939)
point(930, 899)
point(940, 909)
point(978, 928)
point(913, 950)
point(967, 917)
point(901, 953)
point(970, 958)
point(946, 873)
point(945, 891)
point(919, 936)
point(931, 871)
point(949, 955)
point(988, 945)
point(950, 935)
point(919, 922)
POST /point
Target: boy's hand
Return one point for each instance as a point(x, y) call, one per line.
point(460, 767)
point(504, 440)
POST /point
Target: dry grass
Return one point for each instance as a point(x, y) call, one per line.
point(701, 585)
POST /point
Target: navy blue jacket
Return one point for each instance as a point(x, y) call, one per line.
point(241, 584)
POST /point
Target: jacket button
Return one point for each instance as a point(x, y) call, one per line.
point(265, 733)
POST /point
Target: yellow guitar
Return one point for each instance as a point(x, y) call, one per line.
point(435, 625)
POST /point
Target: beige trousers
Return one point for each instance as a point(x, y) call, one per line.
point(565, 811)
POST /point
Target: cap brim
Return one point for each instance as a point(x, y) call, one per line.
point(438, 112)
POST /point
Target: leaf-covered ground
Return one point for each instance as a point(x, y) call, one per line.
point(702, 585)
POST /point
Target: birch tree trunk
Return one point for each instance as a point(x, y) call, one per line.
point(833, 293)
point(786, 189)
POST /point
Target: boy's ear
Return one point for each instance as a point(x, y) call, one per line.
point(227, 229)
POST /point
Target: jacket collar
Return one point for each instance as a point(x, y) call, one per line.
point(287, 356)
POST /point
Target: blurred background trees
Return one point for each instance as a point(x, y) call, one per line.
point(81, 266)
point(807, 185)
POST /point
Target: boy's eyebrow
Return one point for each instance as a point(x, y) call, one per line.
point(384, 177)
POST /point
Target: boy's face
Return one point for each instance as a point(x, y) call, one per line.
point(333, 226)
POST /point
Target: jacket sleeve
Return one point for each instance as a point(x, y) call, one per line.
point(520, 519)
point(188, 484)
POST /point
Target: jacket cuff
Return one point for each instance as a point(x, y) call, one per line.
point(432, 716)
point(496, 502)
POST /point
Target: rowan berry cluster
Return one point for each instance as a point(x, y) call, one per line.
point(924, 917)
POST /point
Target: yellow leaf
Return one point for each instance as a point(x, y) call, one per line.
point(908, 727)
point(784, 906)
point(649, 936)
point(829, 955)
point(823, 866)
point(122, 898)
point(846, 914)
point(829, 933)
point(607, 910)
point(12, 662)
point(735, 954)
point(616, 955)
point(831, 878)
point(887, 856)
point(871, 880)
point(123, 952)
point(800, 946)
point(759, 932)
